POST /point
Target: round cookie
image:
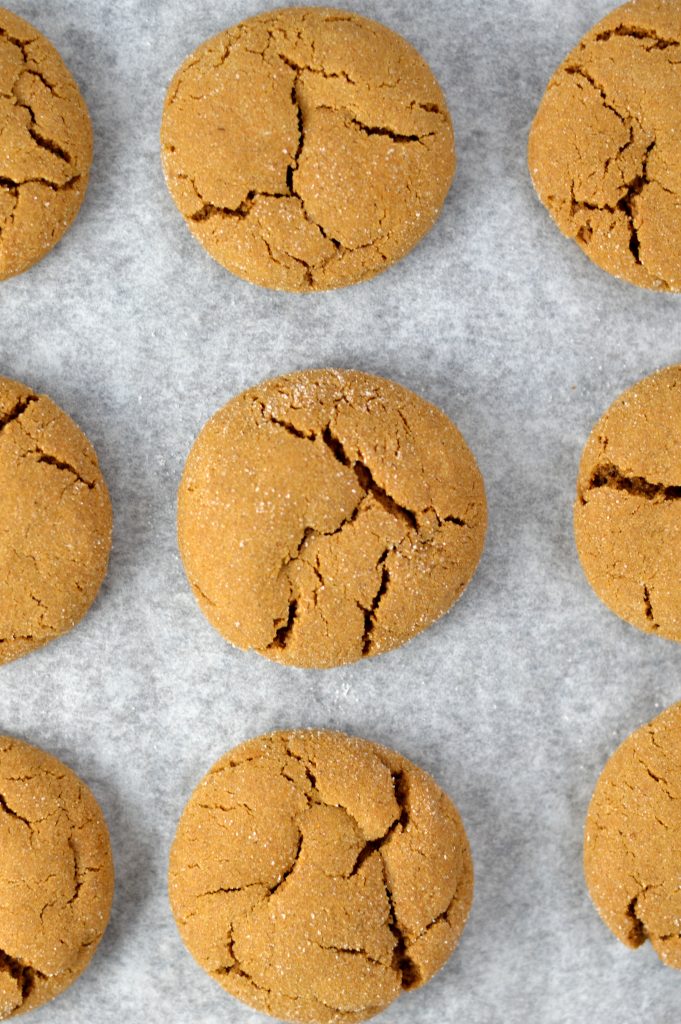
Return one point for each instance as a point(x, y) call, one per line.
point(316, 876)
point(307, 148)
point(56, 521)
point(46, 148)
point(628, 513)
point(329, 515)
point(632, 844)
point(56, 877)
point(605, 148)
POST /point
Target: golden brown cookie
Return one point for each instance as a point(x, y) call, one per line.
point(632, 844)
point(56, 877)
point(628, 512)
point(605, 147)
point(46, 148)
point(327, 516)
point(316, 876)
point(307, 148)
point(56, 521)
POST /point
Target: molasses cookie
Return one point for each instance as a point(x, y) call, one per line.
point(632, 847)
point(316, 876)
point(307, 148)
point(56, 877)
point(628, 512)
point(46, 146)
point(605, 150)
point(327, 516)
point(56, 521)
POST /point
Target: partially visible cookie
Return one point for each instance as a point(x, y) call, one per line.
point(605, 148)
point(56, 877)
point(55, 513)
point(628, 512)
point(46, 148)
point(632, 844)
point(329, 515)
point(316, 876)
point(307, 148)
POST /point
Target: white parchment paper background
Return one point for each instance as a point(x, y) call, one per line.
point(516, 699)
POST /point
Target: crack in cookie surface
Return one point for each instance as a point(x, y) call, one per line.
point(608, 475)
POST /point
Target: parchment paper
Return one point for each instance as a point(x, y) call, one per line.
point(516, 699)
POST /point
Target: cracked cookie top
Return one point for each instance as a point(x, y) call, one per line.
point(307, 148)
point(605, 146)
point(56, 877)
point(316, 876)
point(46, 147)
point(56, 521)
point(327, 515)
point(628, 512)
point(632, 843)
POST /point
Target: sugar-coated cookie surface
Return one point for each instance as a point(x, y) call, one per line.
point(56, 877)
point(307, 148)
point(632, 848)
point(329, 515)
point(605, 146)
point(56, 521)
point(628, 514)
point(316, 876)
point(46, 147)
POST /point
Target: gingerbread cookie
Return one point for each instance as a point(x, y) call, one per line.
point(632, 845)
point(307, 148)
point(605, 152)
point(56, 877)
point(329, 515)
point(316, 876)
point(56, 521)
point(46, 148)
point(628, 513)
